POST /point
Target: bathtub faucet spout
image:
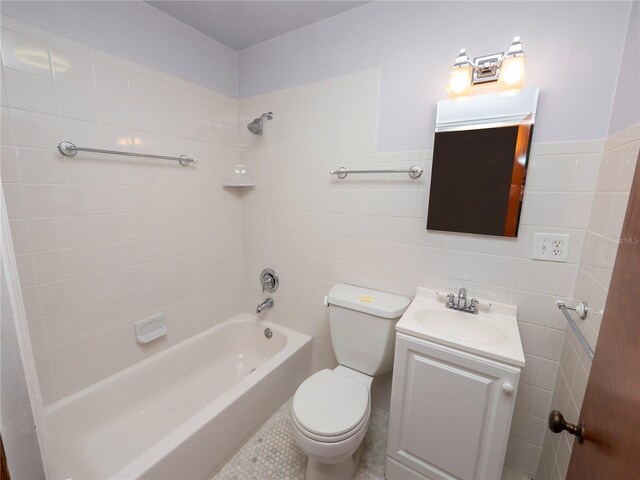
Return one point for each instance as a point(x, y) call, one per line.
point(268, 303)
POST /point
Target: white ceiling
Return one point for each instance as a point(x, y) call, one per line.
point(241, 24)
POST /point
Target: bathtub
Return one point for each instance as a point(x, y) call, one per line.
point(183, 412)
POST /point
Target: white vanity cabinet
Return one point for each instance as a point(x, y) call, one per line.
point(450, 412)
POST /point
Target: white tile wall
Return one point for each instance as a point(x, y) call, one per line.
point(104, 240)
point(316, 230)
point(594, 273)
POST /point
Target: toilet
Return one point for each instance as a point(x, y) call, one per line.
point(331, 409)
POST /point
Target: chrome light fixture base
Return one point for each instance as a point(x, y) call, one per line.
point(486, 68)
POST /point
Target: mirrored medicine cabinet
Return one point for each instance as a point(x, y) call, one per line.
point(480, 159)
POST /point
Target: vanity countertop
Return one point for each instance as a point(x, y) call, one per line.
point(492, 333)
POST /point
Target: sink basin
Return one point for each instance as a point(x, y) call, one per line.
point(461, 326)
point(492, 333)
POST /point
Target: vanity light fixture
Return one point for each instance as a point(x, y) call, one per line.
point(505, 68)
point(460, 76)
point(512, 68)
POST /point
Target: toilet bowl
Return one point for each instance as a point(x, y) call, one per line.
point(330, 417)
point(332, 408)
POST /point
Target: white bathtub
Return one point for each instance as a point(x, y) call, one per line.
point(181, 413)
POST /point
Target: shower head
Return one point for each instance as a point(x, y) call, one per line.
point(256, 126)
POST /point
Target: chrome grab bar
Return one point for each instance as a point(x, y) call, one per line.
point(583, 341)
point(68, 149)
point(414, 172)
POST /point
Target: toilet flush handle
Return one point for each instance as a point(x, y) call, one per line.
point(326, 301)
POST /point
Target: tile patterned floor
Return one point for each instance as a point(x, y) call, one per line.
point(272, 454)
point(510, 473)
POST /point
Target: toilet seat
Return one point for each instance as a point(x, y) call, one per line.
point(329, 407)
point(329, 439)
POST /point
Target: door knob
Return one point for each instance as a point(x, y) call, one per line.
point(557, 424)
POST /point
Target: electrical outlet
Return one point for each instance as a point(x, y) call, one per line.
point(551, 247)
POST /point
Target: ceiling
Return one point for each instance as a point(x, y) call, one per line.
point(241, 24)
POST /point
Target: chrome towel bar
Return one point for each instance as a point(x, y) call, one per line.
point(68, 149)
point(583, 341)
point(414, 172)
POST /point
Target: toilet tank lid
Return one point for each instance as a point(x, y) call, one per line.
point(366, 300)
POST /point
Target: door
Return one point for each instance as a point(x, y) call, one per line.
point(450, 411)
point(611, 407)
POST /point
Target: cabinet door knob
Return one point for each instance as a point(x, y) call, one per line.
point(507, 388)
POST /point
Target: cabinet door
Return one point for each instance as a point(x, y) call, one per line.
point(450, 411)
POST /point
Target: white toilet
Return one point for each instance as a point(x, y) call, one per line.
point(331, 409)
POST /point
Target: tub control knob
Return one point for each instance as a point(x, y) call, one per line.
point(507, 388)
point(269, 280)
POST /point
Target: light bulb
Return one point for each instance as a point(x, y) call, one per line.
point(459, 81)
point(512, 73)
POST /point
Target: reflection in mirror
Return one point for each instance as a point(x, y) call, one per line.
point(480, 161)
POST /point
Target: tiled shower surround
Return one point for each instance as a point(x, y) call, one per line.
point(102, 241)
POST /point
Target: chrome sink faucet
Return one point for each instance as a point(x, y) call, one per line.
point(461, 304)
point(268, 303)
point(462, 297)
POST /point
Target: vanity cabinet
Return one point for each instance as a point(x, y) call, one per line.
point(450, 412)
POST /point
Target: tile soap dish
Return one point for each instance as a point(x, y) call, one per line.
point(150, 328)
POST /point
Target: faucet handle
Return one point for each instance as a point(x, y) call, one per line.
point(474, 305)
point(451, 300)
point(269, 280)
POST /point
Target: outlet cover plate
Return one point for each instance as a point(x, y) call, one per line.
point(551, 247)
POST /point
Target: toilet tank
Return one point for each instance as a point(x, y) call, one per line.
point(362, 324)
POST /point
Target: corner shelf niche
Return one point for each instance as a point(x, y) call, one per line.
point(239, 178)
point(245, 184)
